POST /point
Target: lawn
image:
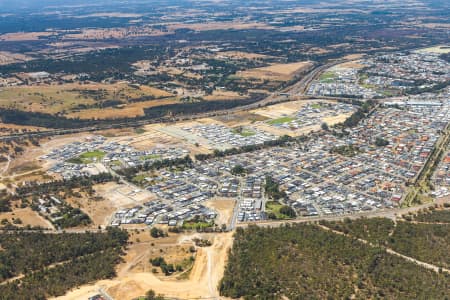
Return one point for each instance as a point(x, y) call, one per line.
point(281, 120)
point(140, 130)
point(151, 157)
point(197, 225)
point(88, 157)
point(244, 132)
point(274, 207)
point(327, 77)
point(139, 179)
point(316, 105)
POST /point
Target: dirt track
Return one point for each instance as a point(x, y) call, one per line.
point(202, 283)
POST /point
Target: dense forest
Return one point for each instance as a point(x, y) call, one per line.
point(307, 262)
point(51, 264)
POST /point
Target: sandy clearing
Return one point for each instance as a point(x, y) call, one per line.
point(336, 119)
point(279, 72)
point(224, 208)
point(351, 65)
point(203, 280)
point(122, 196)
point(280, 110)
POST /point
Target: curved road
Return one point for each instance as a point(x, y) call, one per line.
point(297, 89)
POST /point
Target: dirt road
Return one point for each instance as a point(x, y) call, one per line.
point(202, 283)
point(425, 265)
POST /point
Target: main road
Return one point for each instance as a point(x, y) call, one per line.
point(294, 92)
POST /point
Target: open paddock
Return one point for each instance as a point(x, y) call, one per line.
point(71, 96)
point(276, 72)
point(126, 111)
point(27, 217)
point(441, 49)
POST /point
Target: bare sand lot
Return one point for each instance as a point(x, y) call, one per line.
point(150, 138)
point(224, 208)
point(176, 131)
point(287, 110)
point(351, 65)
point(276, 72)
point(280, 110)
point(121, 195)
point(132, 281)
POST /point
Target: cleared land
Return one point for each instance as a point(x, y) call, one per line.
point(69, 97)
point(26, 217)
point(9, 57)
point(437, 49)
point(277, 72)
point(24, 36)
point(132, 281)
point(224, 208)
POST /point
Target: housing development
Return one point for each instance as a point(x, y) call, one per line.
point(343, 168)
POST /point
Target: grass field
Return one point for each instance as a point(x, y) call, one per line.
point(151, 156)
point(68, 97)
point(244, 132)
point(327, 77)
point(88, 157)
point(281, 120)
point(274, 207)
point(316, 105)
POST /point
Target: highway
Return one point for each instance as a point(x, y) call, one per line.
point(293, 92)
